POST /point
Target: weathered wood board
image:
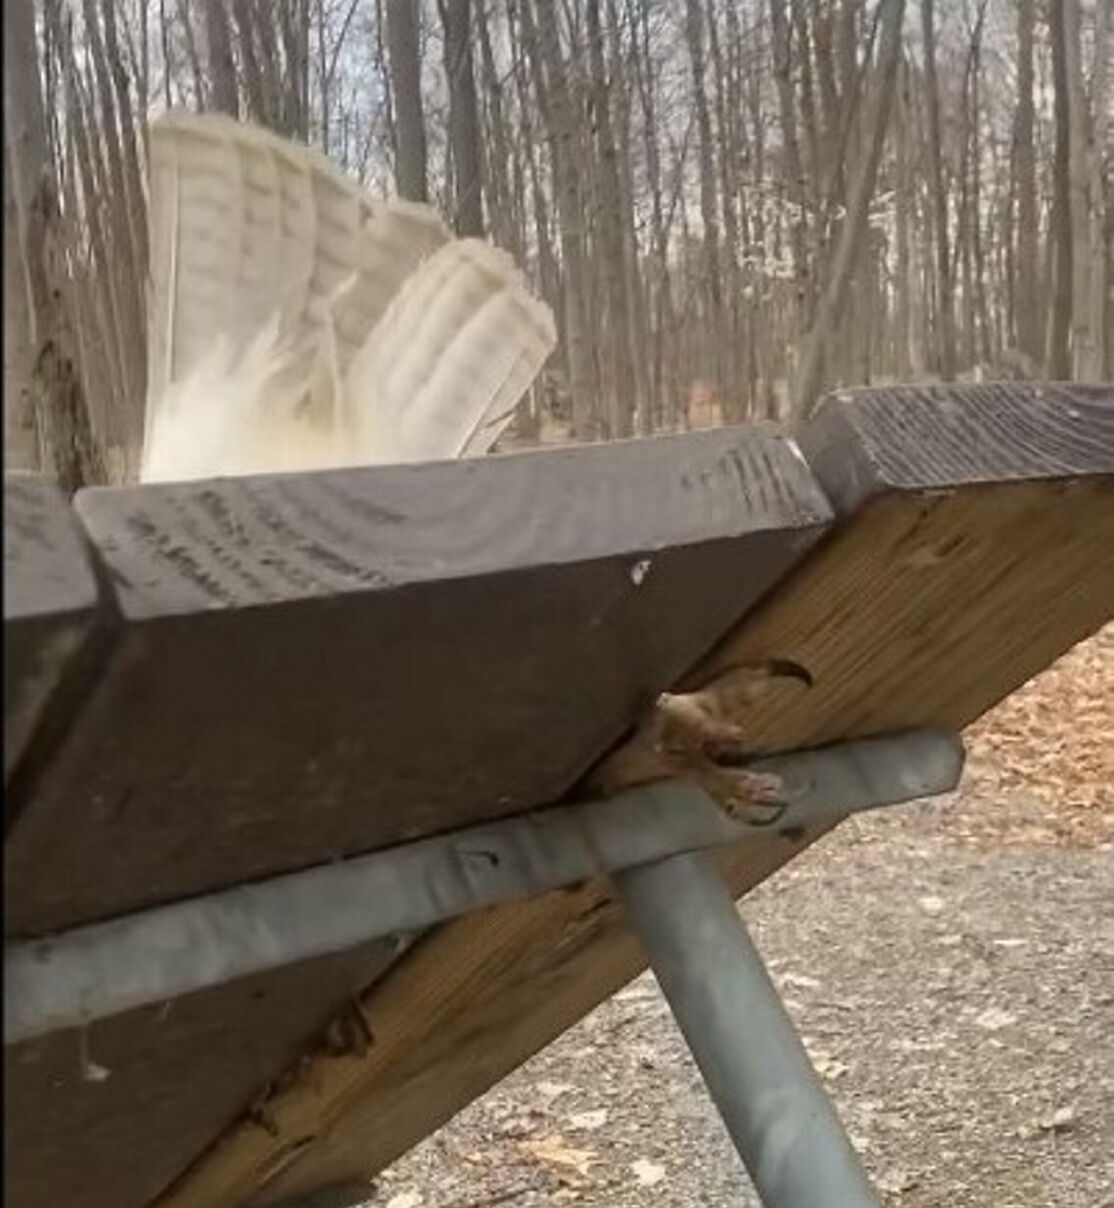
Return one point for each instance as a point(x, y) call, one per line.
point(54, 614)
point(977, 545)
point(316, 666)
point(93, 1117)
point(313, 666)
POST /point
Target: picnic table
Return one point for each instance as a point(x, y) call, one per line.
point(302, 846)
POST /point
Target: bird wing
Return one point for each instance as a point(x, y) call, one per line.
point(441, 374)
point(282, 296)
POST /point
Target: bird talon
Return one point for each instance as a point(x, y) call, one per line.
point(741, 793)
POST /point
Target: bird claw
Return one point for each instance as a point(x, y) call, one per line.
point(698, 736)
point(755, 798)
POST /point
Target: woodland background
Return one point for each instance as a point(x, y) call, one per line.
point(730, 206)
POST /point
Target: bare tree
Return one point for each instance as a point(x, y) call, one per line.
point(406, 90)
point(1060, 236)
point(1027, 307)
point(945, 305)
point(709, 205)
point(794, 169)
point(57, 396)
point(1101, 246)
point(858, 202)
point(620, 379)
point(222, 66)
point(1087, 252)
point(703, 190)
point(464, 119)
point(553, 91)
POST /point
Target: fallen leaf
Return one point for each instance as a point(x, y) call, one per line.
point(648, 1174)
point(994, 1018)
point(829, 1067)
point(801, 980)
point(555, 1151)
point(897, 1181)
point(589, 1121)
point(406, 1199)
point(551, 1090)
point(1047, 748)
point(1061, 1120)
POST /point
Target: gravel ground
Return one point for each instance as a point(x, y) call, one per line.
point(950, 965)
point(957, 995)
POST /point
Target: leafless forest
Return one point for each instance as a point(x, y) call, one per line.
point(730, 206)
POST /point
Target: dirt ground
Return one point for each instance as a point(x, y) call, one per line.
point(950, 964)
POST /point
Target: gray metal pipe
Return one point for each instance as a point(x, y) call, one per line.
point(782, 1123)
point(158, 954)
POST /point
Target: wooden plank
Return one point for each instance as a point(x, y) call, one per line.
point(106, 1117)
point(980, 552)
point(488, 992)
point(317, 665)
point(977, 546)
point(53, 607)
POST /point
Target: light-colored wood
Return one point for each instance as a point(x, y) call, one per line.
point(966, 565)
point(515, 973)
point(298, 663)
point(313, 666)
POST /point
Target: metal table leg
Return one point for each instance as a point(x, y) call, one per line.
point(755, 1066)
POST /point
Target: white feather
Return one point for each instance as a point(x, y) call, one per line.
point(295, 323)
point(453, 354)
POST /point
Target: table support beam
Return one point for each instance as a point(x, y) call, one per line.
point(756, 1069)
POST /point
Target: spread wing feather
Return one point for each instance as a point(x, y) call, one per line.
point(450, 359)
point(295, 322)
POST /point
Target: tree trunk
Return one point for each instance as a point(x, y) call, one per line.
point(709, 204)
point(498, 167)
point(1028, 310)
point(810, 380)
point(464, 118)
point(620, 353)
point(222, 67)
point(793, 168)
point(255, 88)
point(200, 93)
point(294, 25)
point(543, 43)
point(727, 108)
point(639, 321)
point(906, 359)
point(945, 305)
point(1101, 364)
point(124, 221)
point(1059, 350)
point(1084, 340)
point(406, 89)
point(58, 400)
point(978, 250)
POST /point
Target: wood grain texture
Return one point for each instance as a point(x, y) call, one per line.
point(108, 1117)
point(317, 665)
point(977, 544)
point(54, 614)
point(982, 548)
point(512, 973)
point(862, 443)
